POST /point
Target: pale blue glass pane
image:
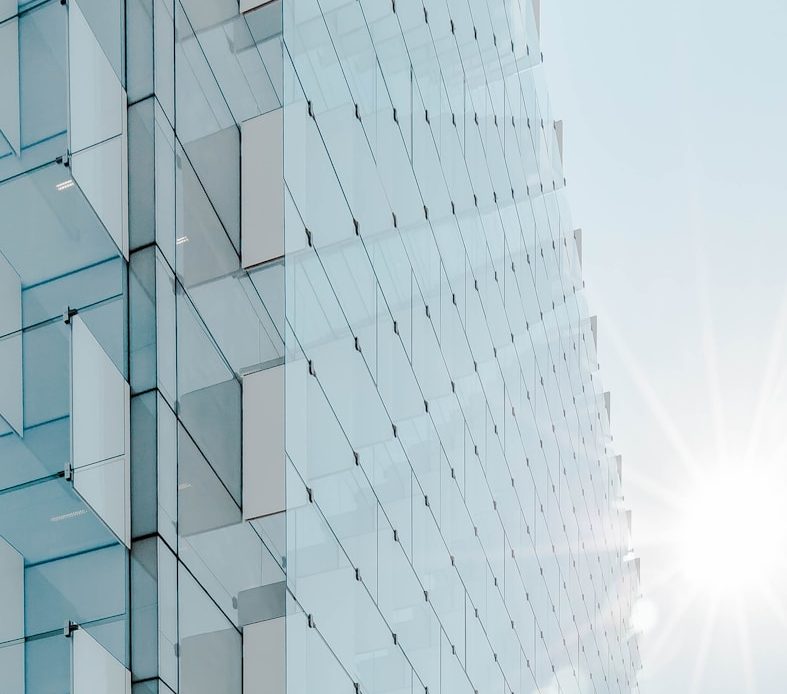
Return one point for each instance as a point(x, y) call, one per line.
point(11, 397)
point(139, 49)
point(316, 668)
point(105, 19)
point(209, 397)
point(204, 502)
point(167, 484)
point(80, 289)
point(95, 104)
point(98, 397)
point(210, 647)
point(42, 65)
point(144, 608)
point(48, 519)
point(86, 588)
point(142, 316)
point(49, 227)
point(48, 665)
point(141, 200)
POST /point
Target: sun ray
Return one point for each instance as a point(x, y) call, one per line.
point(666, 633)
point(706, 636)
point(776, 606)
point(775, 354)
point(640, 378)
point(744, 642)
point(653, 488)
point(662, 578)
point(710, 356)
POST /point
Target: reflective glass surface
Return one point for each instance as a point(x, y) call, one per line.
point(298, 384)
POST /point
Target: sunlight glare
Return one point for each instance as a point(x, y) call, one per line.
point(643, 615)
point(734, 532)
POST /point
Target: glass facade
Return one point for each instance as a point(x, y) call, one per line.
point(298, 385)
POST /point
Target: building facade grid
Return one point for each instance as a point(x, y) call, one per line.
point(299, 384)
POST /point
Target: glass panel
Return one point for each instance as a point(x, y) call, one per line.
point(96, 96)
point(100, 431)
point(94, 670)
point(47, 665)
point(210, 647)
point(99, 397)
point(49, 228)
point(209, 397)
point(88, 589)
point(10, 346)
point(49, 519)
point(12, 586)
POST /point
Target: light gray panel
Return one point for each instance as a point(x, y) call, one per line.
point(262, 188)
point(264, 664)
point(209, 663)
point(246, 5)
point(205, 15)
point(263, 443)
point(262, 603)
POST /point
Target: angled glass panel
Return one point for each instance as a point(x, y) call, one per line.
point(94, 670)
point(49, 229)
point(210, 646)
point(209, 397)
point(48, 665)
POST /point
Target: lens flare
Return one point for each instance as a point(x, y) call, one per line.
point(733, 534)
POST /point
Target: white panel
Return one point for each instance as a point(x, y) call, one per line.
point(94, 670)
point(246, 5)
point(96, 95)
point(263, 443)
point(262, 188)
point(99, 430)
point(11, 346)
point(9, 76)
point(264, 663)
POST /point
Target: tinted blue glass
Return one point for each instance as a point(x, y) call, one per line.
point(334, 299)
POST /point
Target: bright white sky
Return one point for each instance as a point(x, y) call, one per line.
point(675, 119)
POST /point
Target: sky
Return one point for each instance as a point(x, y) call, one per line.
point(675, 116)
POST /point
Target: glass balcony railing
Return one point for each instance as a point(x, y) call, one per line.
point(63, 101)
point(64, 435)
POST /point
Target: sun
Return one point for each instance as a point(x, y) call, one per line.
point(733, 533)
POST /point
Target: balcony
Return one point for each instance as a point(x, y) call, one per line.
point(64, 401)
point(64, 102)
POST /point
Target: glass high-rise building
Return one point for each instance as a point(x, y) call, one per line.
point(298, 386)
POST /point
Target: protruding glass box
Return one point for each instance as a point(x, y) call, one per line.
point(72, 103)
